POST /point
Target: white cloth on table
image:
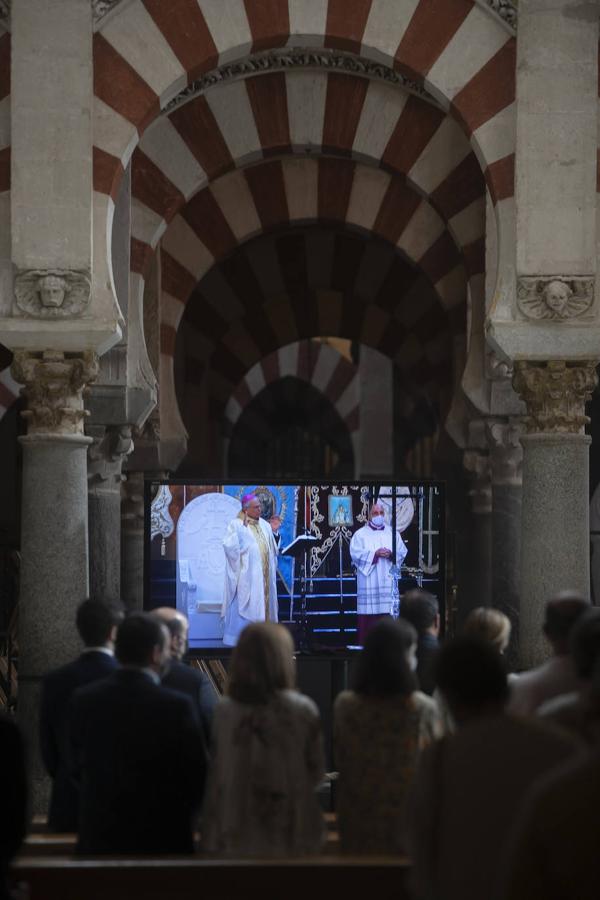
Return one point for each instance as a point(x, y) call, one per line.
point(247, 595)
point(373, 580)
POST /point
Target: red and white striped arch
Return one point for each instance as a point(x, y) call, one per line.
point(316, 362)
point(276, 193)
point(306, 112)
point(464, 55)
point(304, 281)
point(279, 192)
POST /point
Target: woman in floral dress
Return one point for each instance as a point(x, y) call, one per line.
point(380, 728)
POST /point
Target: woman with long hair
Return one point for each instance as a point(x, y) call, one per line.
point(267, 755)
point(380, 728)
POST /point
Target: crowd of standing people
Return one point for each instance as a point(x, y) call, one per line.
point(487, 782)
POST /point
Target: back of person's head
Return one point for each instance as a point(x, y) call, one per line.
point(585, 644)
point(421, 609)
point(95, 621)
point(471, 676)
point(490, 625)
point(262, 663)
point(382, 668)
point(177, 626)
point(562, 612)
point(137, 638)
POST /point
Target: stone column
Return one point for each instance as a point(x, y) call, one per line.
point(54, 528)
point(506, 456)
point(105, 459)
point(132, 541)
point(479, 582)
point(555, 536)
point(376, 413)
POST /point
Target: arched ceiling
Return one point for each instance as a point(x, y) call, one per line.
point(306, 281)
point(306, 112)
point(151, 50)
point(291, 429)
point(281, 192)
point(315, 362)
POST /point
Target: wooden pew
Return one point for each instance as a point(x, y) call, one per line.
point(188, 878)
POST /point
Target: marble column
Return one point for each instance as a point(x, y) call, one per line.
point(105, 459)
point(506, 457)
point(479, 576)
point(132, 541)
point(54, 529)
point(555, 524)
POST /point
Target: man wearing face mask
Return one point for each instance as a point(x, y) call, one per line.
point(371, 552)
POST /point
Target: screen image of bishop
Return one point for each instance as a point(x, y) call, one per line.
point(229, 554)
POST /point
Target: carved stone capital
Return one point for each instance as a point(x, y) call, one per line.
point(52, 293)
point(506, 452)
point(556, 297)
point(107, 453)
point(53, 388)
point(555, 393)
point(477, 465)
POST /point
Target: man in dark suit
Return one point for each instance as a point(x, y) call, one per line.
point(182, 678)
point(97, 626)
point(138, 752)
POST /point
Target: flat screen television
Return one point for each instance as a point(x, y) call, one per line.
point(186, 524)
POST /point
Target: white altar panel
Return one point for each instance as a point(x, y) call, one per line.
point(201, 561)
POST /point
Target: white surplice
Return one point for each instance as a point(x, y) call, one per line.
point(373, 581)
point(248, 596)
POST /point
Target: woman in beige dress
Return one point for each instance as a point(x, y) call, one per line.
point(380, 728)
point(267, 755)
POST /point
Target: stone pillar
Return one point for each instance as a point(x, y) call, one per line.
point(132, 541)
point(105, 459)
point(376, 413)
point(557, 101)
point(506, 456)
point(555, 524)
point(479, 582)
point(54, 528)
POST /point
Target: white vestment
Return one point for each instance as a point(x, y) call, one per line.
point(373, 580)
point(248, 596)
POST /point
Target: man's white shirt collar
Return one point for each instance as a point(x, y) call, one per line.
point(105, 650)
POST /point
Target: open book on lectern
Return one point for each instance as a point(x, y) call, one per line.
point(298, 545)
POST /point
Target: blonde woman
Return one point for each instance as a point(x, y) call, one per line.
point(267, 756)
point(489, 625)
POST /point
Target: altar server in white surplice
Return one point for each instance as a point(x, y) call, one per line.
point(371, 552)
point(250, 593)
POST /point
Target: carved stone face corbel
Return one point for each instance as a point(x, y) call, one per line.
point(52, 293)
point(556, 297)
point(555, 393)
point(53, 388)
